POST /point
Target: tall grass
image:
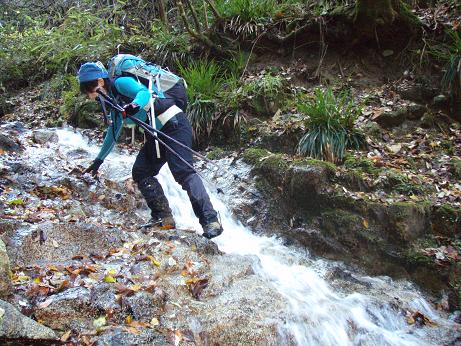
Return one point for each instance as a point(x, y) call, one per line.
point(330, 126)
point(38, 52)
point(204, 80)
point(450, 54)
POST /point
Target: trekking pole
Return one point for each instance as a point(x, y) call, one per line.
point(117, 107)
point(148, 129)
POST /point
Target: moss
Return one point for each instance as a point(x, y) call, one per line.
point(395, 181)
point(330, 167)
point(216, 153)
point(365, 165)
point(272, 166)
point(449, 213)
point(254, 155)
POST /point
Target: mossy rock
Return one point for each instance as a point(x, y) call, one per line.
point(364, 165)
point(395, 181)
point(402, 222)
point(271, 166)
point(446, 221)
point(216, 153)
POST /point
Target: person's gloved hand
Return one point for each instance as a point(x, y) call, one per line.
point(131, 108)
point(93, 169)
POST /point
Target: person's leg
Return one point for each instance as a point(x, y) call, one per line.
point(145, 168)
point(181, 130)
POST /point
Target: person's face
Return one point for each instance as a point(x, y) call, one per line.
point(93, 94)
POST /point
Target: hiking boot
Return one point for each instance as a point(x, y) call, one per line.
point(212, 229)
point(166, 222)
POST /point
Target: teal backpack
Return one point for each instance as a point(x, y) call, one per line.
point(152, 76)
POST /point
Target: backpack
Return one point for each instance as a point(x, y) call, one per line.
point(130, 65)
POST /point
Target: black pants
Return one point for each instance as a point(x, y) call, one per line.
point(147, 166)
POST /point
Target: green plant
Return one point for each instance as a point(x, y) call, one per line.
point(36, 51)
point(266, 93)
point(204, 81)
point(330, 123)
point(170, 47)
point(450, 54)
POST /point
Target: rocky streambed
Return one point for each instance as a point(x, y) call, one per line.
point(76, 268)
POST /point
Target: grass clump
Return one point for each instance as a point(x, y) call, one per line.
point(265, 93)
point(204, 80)
point(450, 54)
point(330, 126)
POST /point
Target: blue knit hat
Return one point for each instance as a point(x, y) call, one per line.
point(92, 71)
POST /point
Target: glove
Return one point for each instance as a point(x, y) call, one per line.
point(131, 108)
point(93, 169)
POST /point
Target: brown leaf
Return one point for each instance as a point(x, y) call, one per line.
point(66, 336)
point(197, 286)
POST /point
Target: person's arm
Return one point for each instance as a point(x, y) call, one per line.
point(113, 133)
point(133, 89)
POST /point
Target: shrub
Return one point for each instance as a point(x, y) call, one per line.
point(204, 81)
point(330, 123)
point(266, 93)
point(450, 54)
point(37, 52)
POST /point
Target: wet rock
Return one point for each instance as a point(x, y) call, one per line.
point(45, 136)
point(18, 329)
point(60, 242)
point(102, 298)
point(120, 336)
point(70, 309)
point(250, 306)
point(8, 144)
point(341, 274)
point(13, 128)
point(8, 227)
point(307, 184)
point(192, 239)
point(5, 281)
point(143, 306)
point(226, 269)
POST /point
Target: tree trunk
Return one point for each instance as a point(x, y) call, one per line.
point(162, 12)
point(371, 15)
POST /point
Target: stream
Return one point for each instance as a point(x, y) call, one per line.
point(319, 312)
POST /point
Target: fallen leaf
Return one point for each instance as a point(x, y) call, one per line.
point(109, 279)
point(196, 287)
point(66, 336)
point(17, 201)
point(99, 322)
point(45, 304)
point(154, 322)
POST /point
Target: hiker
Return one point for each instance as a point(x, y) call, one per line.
point(171, 119)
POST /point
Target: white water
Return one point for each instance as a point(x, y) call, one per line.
point(317, 314)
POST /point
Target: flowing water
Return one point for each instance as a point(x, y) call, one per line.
point(319, 313)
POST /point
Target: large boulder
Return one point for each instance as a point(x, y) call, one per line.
point(45, 136)
point(17, 329)
point(70, 309)
point(60, 242)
